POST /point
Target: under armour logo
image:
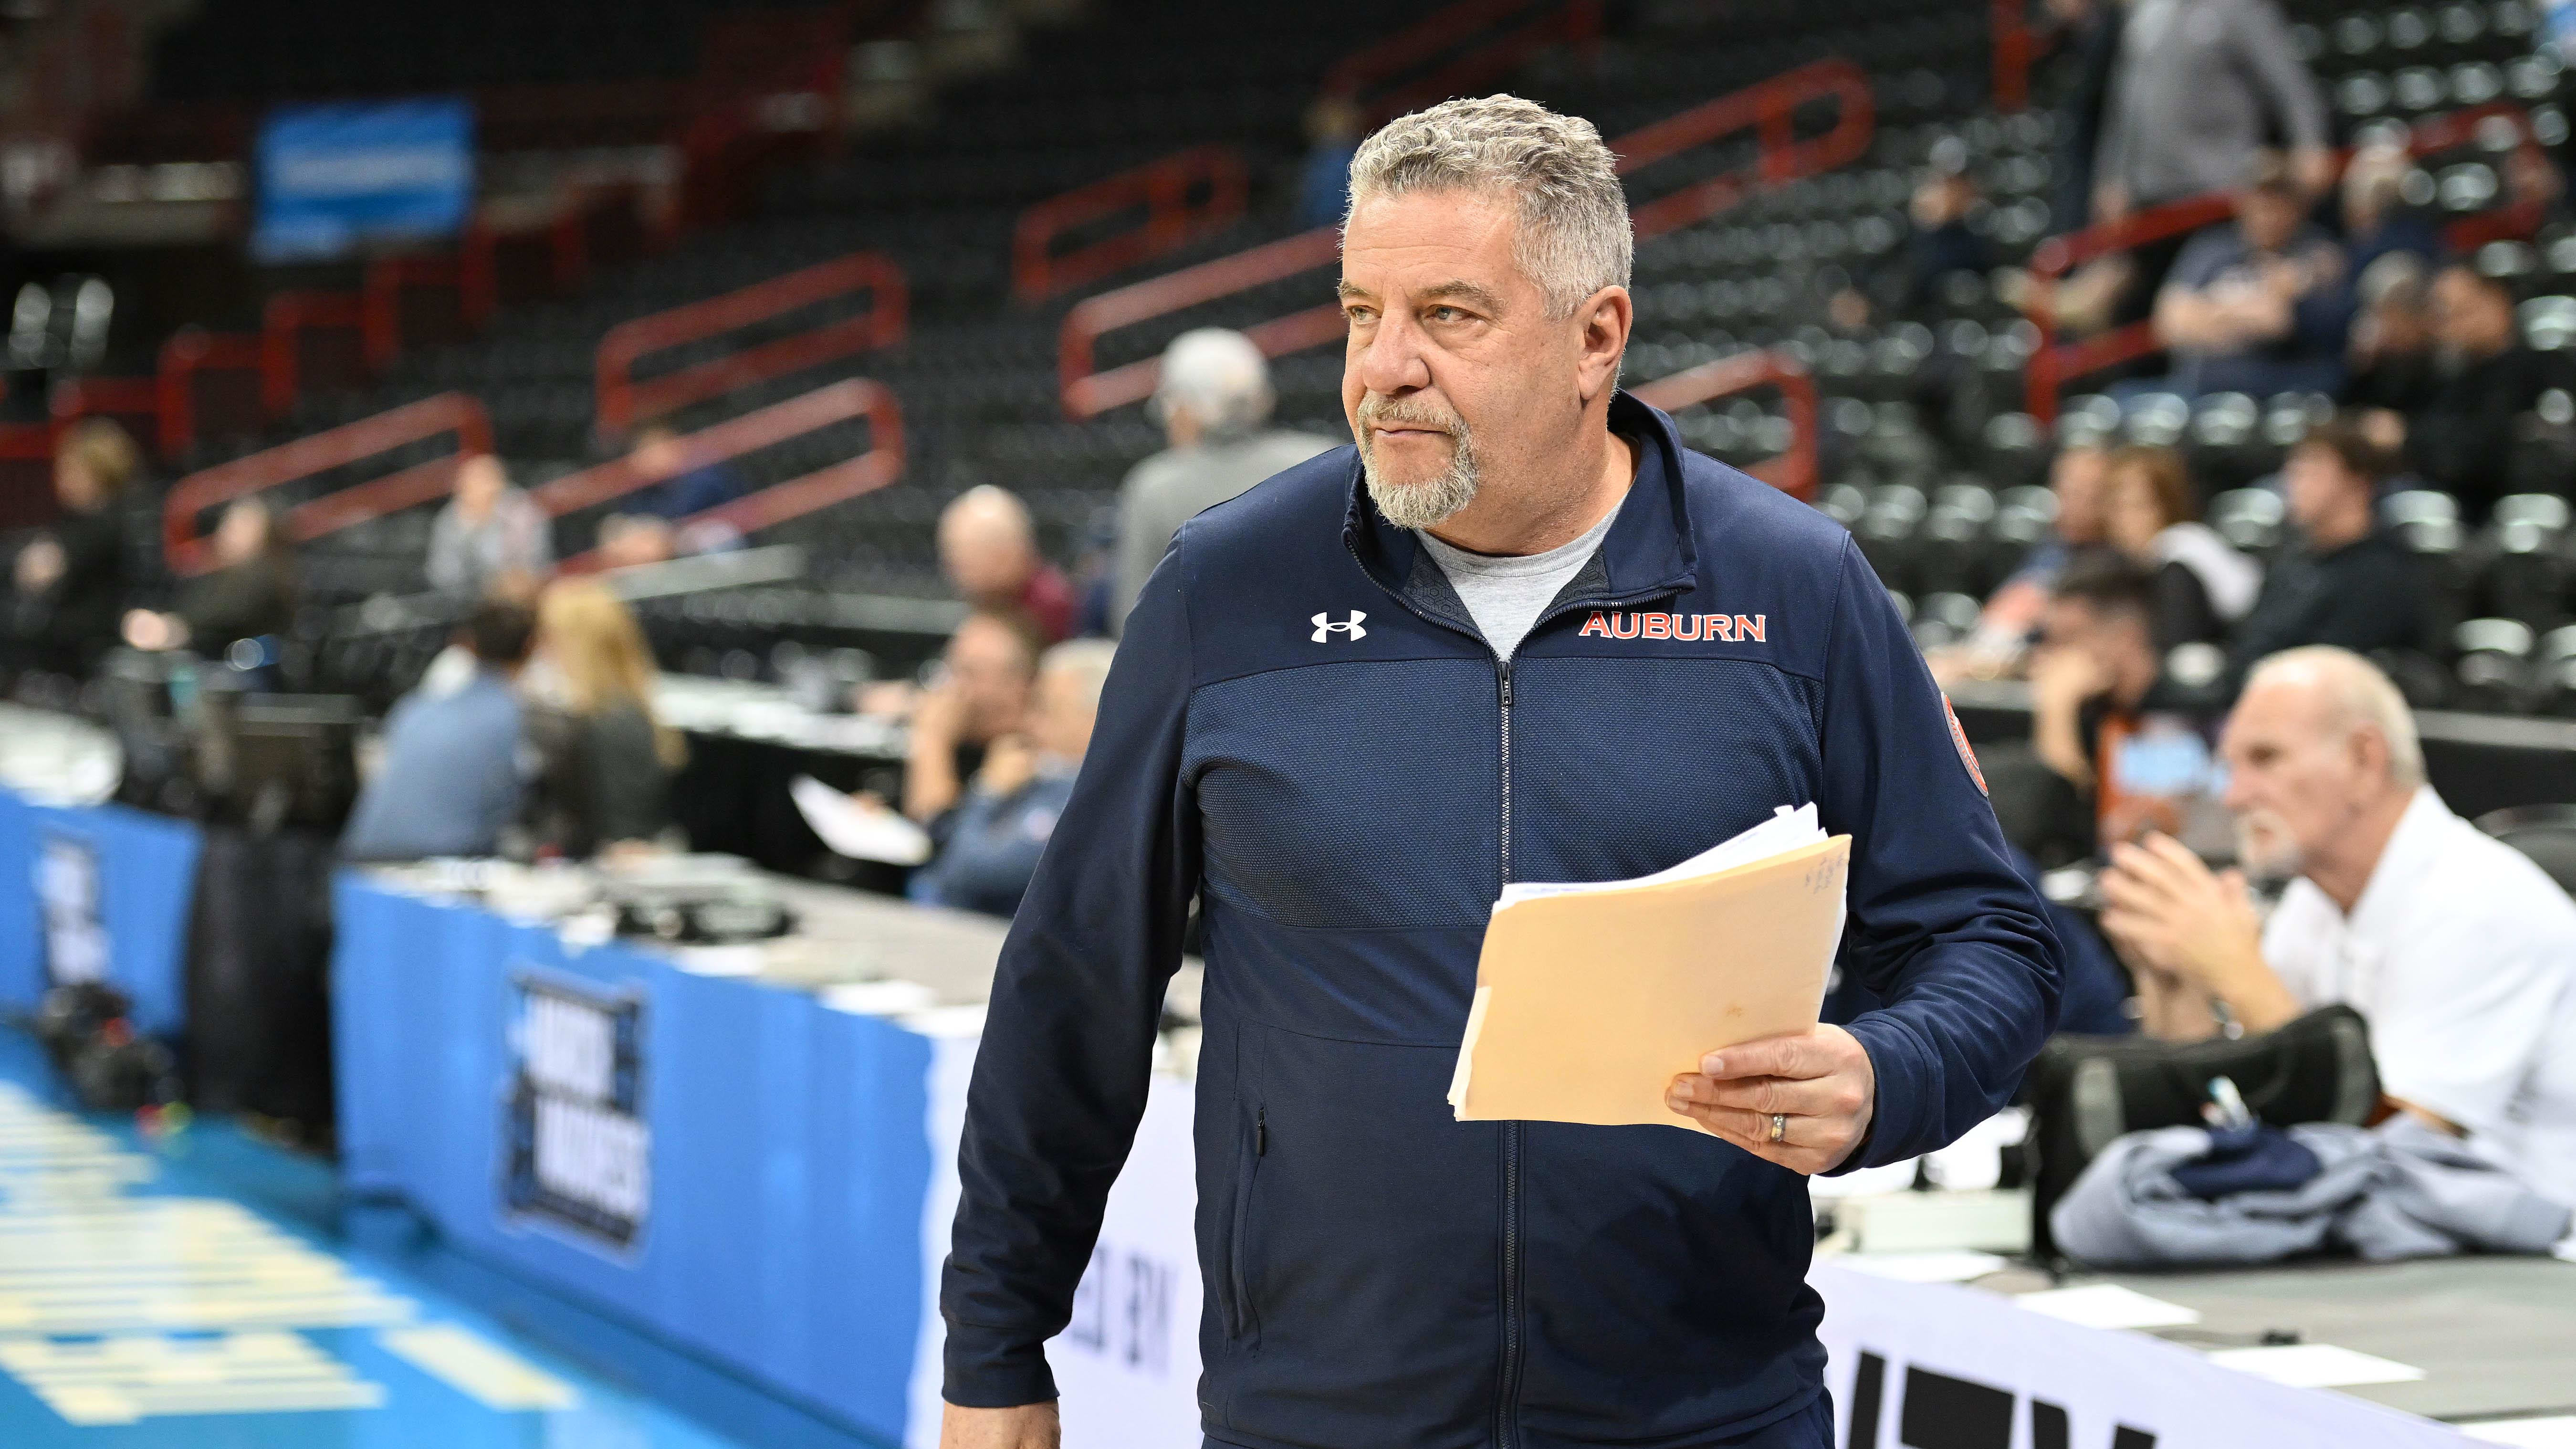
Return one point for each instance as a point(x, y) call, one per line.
point(1324, 630)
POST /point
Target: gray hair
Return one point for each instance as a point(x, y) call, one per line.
point(2359, 696)
point(1087, 660)
point(2399, 280)
point(1219, 377)
point(1574, 238)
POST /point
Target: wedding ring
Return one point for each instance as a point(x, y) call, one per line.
point(1779, 1126)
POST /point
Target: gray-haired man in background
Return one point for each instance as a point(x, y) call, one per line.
point(1214, 397)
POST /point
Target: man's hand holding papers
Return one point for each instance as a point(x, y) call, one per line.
point(1819, 1081)
point(1593, 1001)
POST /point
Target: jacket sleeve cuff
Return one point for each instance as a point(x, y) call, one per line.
point(992, 1368)
point(1903, 1074)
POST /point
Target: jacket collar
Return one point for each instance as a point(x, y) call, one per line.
point(1648, 552)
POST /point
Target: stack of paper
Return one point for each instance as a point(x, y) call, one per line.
point(1590, 999)
point(861, 830)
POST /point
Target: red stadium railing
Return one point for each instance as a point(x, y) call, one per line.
point(192, 496)
point(168, 407)
point(190, 354)
point(851, 398)
point(760, 428)
point(2054, 364)
point(2016, 46)
point(1794, 471)
point(468, 271)
point(134, 400)
point(285, 322)
point(1459, 51)
point(1184, 196)
point(624, 401)
point(1768, 109)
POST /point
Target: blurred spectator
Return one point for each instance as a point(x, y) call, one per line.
point(2257, 305)
point(2347, 582)
point(70, 581)
point(2079, 477)
point(682, 491)
point(2462, 438)
point(2089, 33)
point(627, 540)
point(2198, 87)
point(605, 778)
point(2458, 951)
point(988, 547)
point(250, 592)
point(1213, 399)
point(451, 778)
point(1939, 245)
point(2202, 584)
point(1333, 127)
point(2094, 991)
point(2391, 361)
point(1003, 824)
point(2097, 670)
point(2377, 222)
point(982, 694)
point(488, 530)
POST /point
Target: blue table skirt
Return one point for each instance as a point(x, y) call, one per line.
point(146, 873)
point(790, 1146)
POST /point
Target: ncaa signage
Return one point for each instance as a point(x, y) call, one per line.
point(576, 1151)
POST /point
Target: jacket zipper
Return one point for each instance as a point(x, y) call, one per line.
point(1506, 1399)
point(1506, 1407)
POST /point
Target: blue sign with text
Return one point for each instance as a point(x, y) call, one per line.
point(332, 178)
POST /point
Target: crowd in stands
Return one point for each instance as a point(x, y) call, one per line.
point(2135, 623)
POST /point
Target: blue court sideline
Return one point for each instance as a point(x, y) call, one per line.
point(207, 1291)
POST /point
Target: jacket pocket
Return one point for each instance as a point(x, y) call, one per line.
point(1246, 1323)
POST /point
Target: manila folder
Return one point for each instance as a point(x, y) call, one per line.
point(1589, 1004)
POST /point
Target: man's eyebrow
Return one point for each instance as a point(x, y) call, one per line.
point(1460, 289)
point(1456, 289)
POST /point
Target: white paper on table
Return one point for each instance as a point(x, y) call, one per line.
point(858, 831)
point(2549, 1431)
point(880, 998)
point(1956, 1265)
point(2315, 1365)
point(2107, 1305)
point(745, 958)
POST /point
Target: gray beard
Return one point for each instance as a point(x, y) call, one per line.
point(1431, 502)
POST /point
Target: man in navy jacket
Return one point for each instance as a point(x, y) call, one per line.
point(1517, 634)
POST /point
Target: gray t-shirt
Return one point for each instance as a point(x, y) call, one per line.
point(1505, 594)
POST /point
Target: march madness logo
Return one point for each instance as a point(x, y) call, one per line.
point(576, 1149)
point(1724, 628)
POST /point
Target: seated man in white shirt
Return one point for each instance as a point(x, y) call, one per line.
point(2458, 950)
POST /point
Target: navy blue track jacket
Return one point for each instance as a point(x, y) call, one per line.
point(1304, 729)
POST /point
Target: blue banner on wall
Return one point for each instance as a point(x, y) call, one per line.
point(332, 178)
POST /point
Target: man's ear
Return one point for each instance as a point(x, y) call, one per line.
point(1607, 317)
point(2369, 752)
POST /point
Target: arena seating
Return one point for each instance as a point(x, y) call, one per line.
point(1938, 482)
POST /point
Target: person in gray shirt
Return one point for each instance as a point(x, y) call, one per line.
point(1213, 400)
point(453, 772)
point(488, 532)
point(2198, 85)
